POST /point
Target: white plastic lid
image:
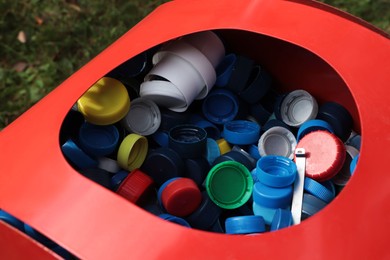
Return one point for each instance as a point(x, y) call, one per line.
point(165, 94)
point(143, 118)
point(277, 141)
point(298, 107)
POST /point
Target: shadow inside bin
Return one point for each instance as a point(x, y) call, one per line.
point(290, 66)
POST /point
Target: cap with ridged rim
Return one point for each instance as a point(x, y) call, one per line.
point(245, 225)
point(134, 185)
point(276, 171)
point(132, 151)
point(282, 219)
point(318, 190)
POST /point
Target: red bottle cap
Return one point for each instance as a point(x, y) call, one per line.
point(135, 185)
point(325, 154)
point(181, 197)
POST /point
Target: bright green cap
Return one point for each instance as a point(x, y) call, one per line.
point(229, 184)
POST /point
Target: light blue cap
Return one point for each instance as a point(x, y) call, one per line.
point(241, 132)
point(276, 171)
point(281, 219)
point(353, 164)
point(174, 219)
point(272, 197)
point(245, 225)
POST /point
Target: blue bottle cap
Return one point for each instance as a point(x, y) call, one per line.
point(311, 205)
point(99, 176)
point(189, 141)
point(220, 106)
point(212, 151)
point(11, 220)
point(161, 138)
point(267, 213)
point(272, 197)
point(313, 125)
point(253, 150)
point(234, 156)
point(276, 171)
point(258, 112)
point(76, 156)
point(330, 186)
point(170, 119)
point(353, 164)
point(282, 219)
point(98, 140)
point(163, 164)
point(245, 225)
point(247, 155)
point(205, 215)
point(240, 74)
point(343, 176)
point(272, 123)
point(338, 117)
point(196, 169)
point(71, 125)
point(257, 86)
point(254, 175)
point(174, 219)
point(241, 132)
point(224, 70)
point(318, 190)
point(277, 141)
point(217, 227)
point(38, 236)
point(211, 129)
point(117, 179)
point(354, 140)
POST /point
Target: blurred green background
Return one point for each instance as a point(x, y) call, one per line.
point(44, 42)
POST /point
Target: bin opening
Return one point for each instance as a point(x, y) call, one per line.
point(181, 131)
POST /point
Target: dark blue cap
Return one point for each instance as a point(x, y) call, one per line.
point(189, 141)
point(11, 220)
point(234, 156)
point(338, 117)
point(161, 138)
point(70, 126)
point(220, 106)
point(174, 219)
point(196, 169)
point(224, 70)
point(245, 225)
point(77, 157)
point(258, 112)
point(163, 164)
point(272, 123)
point(170, 119)
point(205, 215)
point(258, 84)
point(240, 74)
point(282, 219)
point(117, 179)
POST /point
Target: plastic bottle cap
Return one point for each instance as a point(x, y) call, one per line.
point(254, 175)
point(236, 156)
point(162, 187)
point(220, 106)
point(318, 190)
point(276, 171)
point(330, 186)
point(181, 73)
point(253, 150)
point(241, 132)
point(277, 141)
point(258, 84)
point(105, 103)
point(313, 125)
point(271, 197)
point(353, 164)
point(174, 219)
point(98, 140)
point(205, 215)
point(77, 156)
point(209, 44)
point(245, 225)
point(240, 74)
point(298, 107)
point(338, 117)
point(164, 93)
point(354, 140)
point(212, 150)
point(144, 117)
point(252, 160)
point(196, 169)
point(132, 151)
point(229, 184)
point(189, 141)
point(163, 164)
point(267, 213)
point(224, 70)
point(281, 219)
point(161, 138)
point(170, 119)
point(343, 176)
point(211, 129)
point(134, 186)
point(311, 205)
point(224, 146)
point(108, 164)
point(326, 155)
point(117, 179)
point(181, 197)
point(272, 122)
point(259, 113)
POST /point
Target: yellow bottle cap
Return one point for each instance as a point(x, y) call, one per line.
point(132, 151)
point(105, 103)
point(224, 146)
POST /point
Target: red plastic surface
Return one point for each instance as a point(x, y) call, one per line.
point(325, 155)
point(135, 185)
point(304, 45)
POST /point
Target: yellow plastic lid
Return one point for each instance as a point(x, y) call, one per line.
point(224, 146)
point(105, 103)
point(132, 151)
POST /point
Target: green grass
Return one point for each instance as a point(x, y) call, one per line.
point(61, 36)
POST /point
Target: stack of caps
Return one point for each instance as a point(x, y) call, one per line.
point(207, 142)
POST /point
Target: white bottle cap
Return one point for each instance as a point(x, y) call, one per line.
point(143, 118)
point(277, 141)
point(298, 107)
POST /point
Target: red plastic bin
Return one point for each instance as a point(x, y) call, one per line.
point(306, 45)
